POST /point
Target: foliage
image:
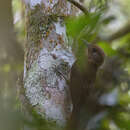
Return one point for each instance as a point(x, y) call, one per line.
point(113, 74)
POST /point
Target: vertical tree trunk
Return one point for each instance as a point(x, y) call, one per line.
point(11, 53)
point(11, 60)
point(48, 59)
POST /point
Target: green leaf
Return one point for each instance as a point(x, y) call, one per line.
point(107, 49)
point(75, 25)
point(82, 26)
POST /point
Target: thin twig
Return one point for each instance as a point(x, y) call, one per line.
point(78, 5)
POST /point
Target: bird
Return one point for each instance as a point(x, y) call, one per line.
point(82, 86)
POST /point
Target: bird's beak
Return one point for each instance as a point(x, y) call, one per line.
point(86, 43)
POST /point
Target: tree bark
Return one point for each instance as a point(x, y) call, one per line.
point(48, 59)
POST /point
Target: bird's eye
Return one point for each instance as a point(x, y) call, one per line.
point(94, 50)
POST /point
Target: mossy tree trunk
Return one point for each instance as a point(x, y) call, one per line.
point(48, 59)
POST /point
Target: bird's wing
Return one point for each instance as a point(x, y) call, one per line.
point(75, 84)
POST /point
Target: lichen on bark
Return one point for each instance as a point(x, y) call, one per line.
point(48, 59)
point(46, 88)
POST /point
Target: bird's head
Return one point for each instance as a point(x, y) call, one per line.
point(95, 54)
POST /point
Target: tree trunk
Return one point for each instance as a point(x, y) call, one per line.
point(11, 62)
point(48, 59)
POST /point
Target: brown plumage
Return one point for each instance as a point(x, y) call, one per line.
point(82, 86)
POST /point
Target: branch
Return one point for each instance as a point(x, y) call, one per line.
point(78, 5)
point(123, 31)
point(120, 33)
